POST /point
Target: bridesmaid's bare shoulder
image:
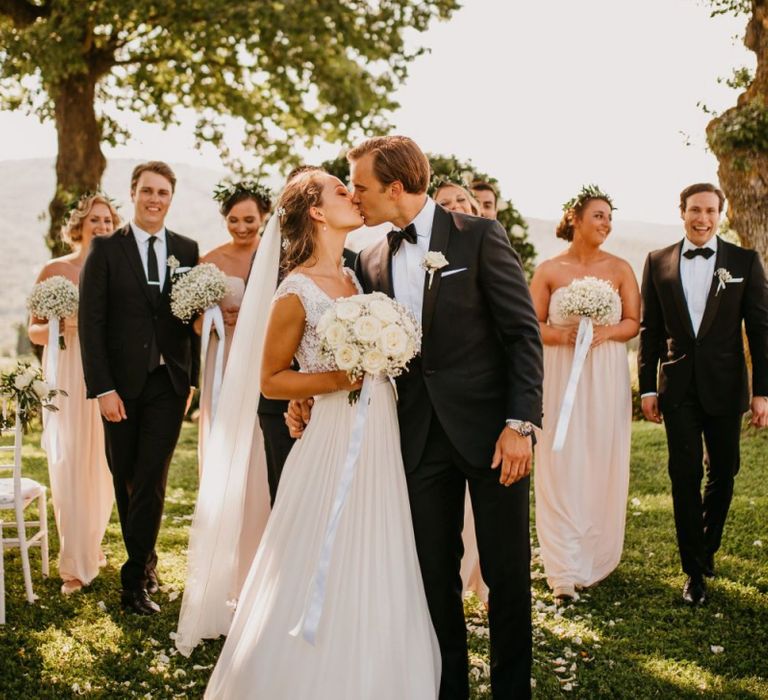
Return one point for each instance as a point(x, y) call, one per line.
point(64, 266)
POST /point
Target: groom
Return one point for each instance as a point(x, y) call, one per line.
point(140, 362)
point(696, 294)
point(466, 406)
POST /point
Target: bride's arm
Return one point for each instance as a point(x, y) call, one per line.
point(284, 331)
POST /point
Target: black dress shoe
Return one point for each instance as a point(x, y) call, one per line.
point(138, 601)
point(709, 566)
point(695, 591)
point(153, 583)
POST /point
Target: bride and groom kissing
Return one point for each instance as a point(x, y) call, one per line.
point(392, 622)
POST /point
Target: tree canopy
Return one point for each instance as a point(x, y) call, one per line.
point(294, 72)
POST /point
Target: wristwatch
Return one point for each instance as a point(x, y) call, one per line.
point(521, 427)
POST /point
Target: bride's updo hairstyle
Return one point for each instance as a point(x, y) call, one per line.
point(303, 191)
point(574, 208)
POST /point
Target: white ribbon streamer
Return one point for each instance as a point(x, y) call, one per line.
point(213, 317)
point(583, 341)
point(50, 439)
point(310, 620)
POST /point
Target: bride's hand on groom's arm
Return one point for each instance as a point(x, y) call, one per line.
point(513, 454)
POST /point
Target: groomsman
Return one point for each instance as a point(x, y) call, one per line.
point(141, 363)
point(485, 194)
point(695, 294)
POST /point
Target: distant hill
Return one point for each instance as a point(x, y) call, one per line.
point(28, 186)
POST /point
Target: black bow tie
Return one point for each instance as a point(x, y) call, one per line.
point(705, 253)
point(395, 237)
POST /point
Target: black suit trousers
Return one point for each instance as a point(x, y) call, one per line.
point(699, 519)
point(139, 451)
point(436, 488)
point(277, 446)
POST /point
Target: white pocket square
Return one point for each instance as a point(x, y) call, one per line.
point(448, 273)
point(181, 270)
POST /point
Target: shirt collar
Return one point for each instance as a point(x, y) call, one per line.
point(423, 220)
point(711, 244)
point(142, 236)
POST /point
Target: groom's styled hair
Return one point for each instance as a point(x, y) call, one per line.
point(396, 158)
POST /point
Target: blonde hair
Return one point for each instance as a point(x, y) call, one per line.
point(474, 205)
point(72, 230)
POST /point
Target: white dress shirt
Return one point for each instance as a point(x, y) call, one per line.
point(161, 250)
point(697, 275)
point(407, 272)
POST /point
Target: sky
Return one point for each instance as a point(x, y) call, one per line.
point(545, 96)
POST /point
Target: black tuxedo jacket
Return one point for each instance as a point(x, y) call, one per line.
point(714, 357)
point(118, 317)
point(481, 355)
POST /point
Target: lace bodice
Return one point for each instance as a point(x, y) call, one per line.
point(316, 302)
point(555, 318)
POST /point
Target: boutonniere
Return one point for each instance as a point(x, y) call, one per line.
point(724, 277)
point(173, 263)
point(433, 261)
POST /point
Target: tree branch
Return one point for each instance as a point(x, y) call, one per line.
point(23, 13)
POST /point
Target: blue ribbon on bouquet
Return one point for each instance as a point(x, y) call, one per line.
point(313, 610)
point(583, 341)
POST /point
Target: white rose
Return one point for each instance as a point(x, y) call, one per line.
point(41, 388)
point(367, 329)
point(393, 341)
point(347, 357)
point(374, 361)
point(336, 334)
point(434, 260)
point(384, 311)
point(23, 380)
point(347, 310)
point(325, 320)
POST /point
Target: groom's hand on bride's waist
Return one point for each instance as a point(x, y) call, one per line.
point(513, 454)
point(297, 416)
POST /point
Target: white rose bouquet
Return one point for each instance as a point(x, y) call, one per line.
point(369, 334)
point(24, 387)
point(203, 287)
point(588, 297)
point(54, 298)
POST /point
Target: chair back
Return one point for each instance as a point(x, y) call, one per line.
point(15, 466)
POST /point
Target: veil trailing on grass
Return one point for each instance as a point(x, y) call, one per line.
point(233, 500)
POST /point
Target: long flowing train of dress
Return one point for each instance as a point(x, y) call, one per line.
point(375, 639)
point(81, 484)
point(581, 491)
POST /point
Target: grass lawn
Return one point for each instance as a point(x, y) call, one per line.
point(628, 637)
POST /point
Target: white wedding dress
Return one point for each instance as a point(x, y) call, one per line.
point(375, 639)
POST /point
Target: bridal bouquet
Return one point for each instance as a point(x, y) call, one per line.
point(369, 334)
point(24, 387)
point(203, 287)
point(588, 297)
point(54, 298)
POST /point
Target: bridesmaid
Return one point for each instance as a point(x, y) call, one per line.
point(81, 485)
point(244, 206)
point(581, 491)
point(454, 197)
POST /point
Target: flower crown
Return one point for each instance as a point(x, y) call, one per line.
point(462, 179)
point(587, 192)
point(225, 191)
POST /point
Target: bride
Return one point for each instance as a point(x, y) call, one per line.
point(375, 639)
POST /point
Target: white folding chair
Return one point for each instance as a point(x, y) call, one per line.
point(16, 493)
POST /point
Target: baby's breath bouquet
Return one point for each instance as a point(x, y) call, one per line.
point(588, 297)
point(203, 287)
point(24, 388)
point(369, 334)
point(54, 298)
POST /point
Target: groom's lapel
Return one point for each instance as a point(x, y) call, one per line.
point(441, 230)
point(672, 272)
point(382, 271)
point(713, 300)
point(131, 250)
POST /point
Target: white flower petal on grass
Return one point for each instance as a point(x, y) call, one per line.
point(635, 502)
point(101, 605)
point(173, 595)
point(757, 543)
point(716, 649)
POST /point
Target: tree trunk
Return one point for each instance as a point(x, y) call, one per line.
point(80, 162)
point(743, 171)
